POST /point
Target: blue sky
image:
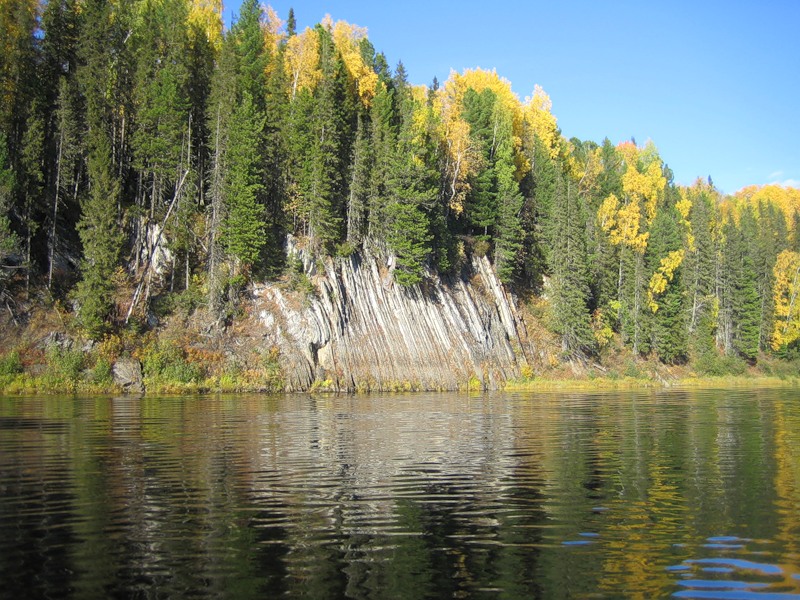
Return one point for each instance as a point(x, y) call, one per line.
point(715, 84)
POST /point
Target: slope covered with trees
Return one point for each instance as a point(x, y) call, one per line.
point(148, 156)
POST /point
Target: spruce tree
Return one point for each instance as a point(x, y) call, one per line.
point(699, 273)
point(482, 202)
point(243, 225)
point(101, 239)
point(412, 191)
point(740, 306)
point(669, 333)
point(8, 239)
point(383, 137)
point(568, 265)
point(358, 200)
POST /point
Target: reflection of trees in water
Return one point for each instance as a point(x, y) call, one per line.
point(423, 495)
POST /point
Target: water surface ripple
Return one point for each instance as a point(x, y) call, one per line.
point(653, 494)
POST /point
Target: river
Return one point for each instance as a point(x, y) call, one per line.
point(647, 494)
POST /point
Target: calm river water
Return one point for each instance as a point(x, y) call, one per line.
point(691, 494)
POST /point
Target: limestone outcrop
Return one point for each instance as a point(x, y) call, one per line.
point(363, 331)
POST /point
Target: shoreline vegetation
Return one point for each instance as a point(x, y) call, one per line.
point(46, 359)
point(26, 385)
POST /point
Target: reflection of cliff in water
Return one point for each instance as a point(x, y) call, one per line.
point(413, 489)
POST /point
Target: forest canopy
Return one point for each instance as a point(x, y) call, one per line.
point(146, 151)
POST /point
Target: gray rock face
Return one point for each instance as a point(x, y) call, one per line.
point(127, 373)
point(362, 331)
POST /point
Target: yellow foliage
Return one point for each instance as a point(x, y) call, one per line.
point(586, 173)
point(463, 160)
point(302, 61)
point(787, 199)
point(684, 208)
point(643, 183)
point(347, 38)
point(785, 294)
point(646, 185)
point(621, 222)
point(541, 122)
point(601, 328)
point(207, 15)
point(273, 31)
point(662, 277)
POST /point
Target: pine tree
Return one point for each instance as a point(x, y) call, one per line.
point(699, 272)
point(358, 201)
point(383, 138)
point(253, 58)
point(332, 120)
point(412, 191)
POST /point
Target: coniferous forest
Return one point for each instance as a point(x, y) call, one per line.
point(150, 159)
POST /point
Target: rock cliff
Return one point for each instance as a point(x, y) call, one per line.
point(362, 331)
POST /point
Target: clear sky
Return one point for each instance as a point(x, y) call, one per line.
point(715, 84)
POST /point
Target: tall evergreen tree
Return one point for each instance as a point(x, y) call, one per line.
point(568, 265)
point(243, 225)
point(508, 228)
point(740, 306)
point(699, 272)
point(412, 191)
point(669, 334)
point(101, 238)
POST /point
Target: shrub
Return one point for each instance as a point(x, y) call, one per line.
point(10, 363)
point(64, 364)
point(719, 365)
point(167, 361)
point(102, 371)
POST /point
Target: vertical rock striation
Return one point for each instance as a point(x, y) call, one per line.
point(362, 331)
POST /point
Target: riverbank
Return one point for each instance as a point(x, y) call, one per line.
point(181, 357)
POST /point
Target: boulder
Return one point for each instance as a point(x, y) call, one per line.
point(127, 373)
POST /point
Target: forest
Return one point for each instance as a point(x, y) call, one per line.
point(148, 154)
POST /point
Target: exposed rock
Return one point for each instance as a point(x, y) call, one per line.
point(362, 331)
point(127, 373)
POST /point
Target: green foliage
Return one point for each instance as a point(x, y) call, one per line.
point(568, 261)
point(670, 337)
point(243, 227)
point(166, 361)
point(118, 119)
point(720, 365)
point(10, 363)
point(101, 373)
point(741, 306)
point(297, 280)
point(64, 365)
point(101, 238)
